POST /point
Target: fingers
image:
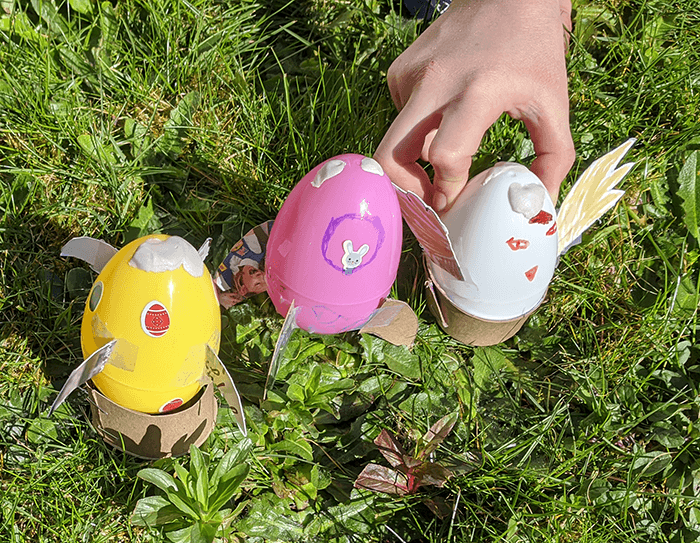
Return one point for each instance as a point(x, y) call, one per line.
point(554, 148)
point(447, 138)
point(402, 144)
point(464, 123)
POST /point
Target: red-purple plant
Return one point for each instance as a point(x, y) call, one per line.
point(407, 473)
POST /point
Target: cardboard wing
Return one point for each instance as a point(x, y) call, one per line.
point(430, 231)
point(93, 251)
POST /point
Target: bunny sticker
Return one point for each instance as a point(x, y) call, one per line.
point(351, 258)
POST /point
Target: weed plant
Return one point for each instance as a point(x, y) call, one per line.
point(196, 118)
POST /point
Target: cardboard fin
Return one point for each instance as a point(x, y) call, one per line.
point(93, 365)
point(203, 251)
point(394, 322)
point(592, 195)
point(290, 324)
point(430, 231)
point(223, 382)
point(93, 251)
point(434, 304)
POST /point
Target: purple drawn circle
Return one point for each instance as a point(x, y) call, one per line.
point(335, 222)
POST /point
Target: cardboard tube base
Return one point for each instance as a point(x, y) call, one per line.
point(466, 328)
point(154, 436)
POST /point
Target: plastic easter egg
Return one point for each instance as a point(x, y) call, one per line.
point(335, 245)
point(157, 298)
point(504, 234)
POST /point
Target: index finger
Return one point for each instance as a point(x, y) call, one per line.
point(400, 149)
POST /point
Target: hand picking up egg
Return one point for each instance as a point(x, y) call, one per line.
point(492, 255)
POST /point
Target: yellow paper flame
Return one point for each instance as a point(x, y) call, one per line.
point(592, 195)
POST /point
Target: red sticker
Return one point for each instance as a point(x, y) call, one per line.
point(171, 405)
point(541, 218)
point(155, 319)
point(530, 274)
point(552, 230)
point(518, 244)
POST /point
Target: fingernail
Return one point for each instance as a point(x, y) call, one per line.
point(439, 201)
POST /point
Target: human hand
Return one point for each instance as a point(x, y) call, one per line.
point(479, 59)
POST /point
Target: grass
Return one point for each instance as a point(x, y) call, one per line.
point(197, 118)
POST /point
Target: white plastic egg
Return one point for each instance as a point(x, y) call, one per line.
point(504, 235)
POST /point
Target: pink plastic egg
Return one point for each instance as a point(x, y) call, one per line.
point(335, 245)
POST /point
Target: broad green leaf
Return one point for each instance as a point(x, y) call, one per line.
point(183, 535)
point(313, 380)
point(203, 533)
point(650, 463)
point(296, 392)
point(694, 518)
point(154, 511)
point(487, 361)
point(320, 477)
point(146, 222)
point(352, 515)
point(182, 503)
point(158, 477)
point(271, 518)
point(81, 6)
point(667, 435)
point(108, 24)
point(41, 431)
point(185, 483)
point(689, 191)
point(227, 487)
point(687, 295)
point(96, 150)
point(295, 444)
point(47, 10)
point(175, 129)
point(398, 358)
point(199, 473)
point(244, 331)
point(337, 386)
point(235, 457)
point(140, 140)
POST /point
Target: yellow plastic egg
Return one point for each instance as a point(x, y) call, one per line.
point(157, 298)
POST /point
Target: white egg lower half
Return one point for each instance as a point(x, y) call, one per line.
point(507, 258)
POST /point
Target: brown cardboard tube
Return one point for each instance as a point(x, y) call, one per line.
point(154, 436)
point(464, 327)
